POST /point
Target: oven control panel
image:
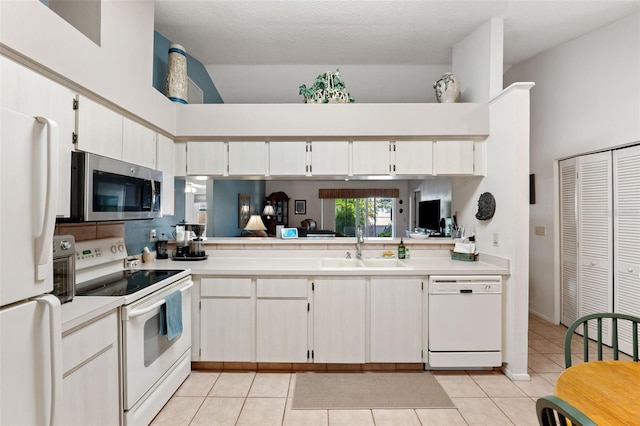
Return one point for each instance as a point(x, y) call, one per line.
point(99, 252)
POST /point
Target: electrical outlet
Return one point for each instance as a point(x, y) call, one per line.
point(495, 239)
point(541, 230)
point(152, 235)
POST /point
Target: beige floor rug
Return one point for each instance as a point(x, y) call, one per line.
point(368, 390)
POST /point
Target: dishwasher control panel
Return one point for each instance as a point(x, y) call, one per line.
point(465, 284)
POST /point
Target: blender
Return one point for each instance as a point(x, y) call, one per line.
point(182, 241)
point(196, 246)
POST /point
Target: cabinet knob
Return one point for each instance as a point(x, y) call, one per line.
point(630, 269)
point(593, 263)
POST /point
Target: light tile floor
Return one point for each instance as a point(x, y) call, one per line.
point(481, 397)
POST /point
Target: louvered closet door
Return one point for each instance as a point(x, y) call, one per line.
point(595, 237)
point(568, 242)
point(626, 222)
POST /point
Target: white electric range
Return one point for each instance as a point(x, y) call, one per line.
point(153, 366)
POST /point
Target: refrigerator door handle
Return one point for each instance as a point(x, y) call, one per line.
point(44, 240)
point(55, 340)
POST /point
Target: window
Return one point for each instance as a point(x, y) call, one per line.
point(374, 215)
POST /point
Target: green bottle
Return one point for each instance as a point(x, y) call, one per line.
point(401, 250)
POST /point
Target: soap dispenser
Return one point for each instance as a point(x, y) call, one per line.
point(401, 250)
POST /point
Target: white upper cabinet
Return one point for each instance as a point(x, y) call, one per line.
point(413, 158)
point(165, 163)
point(180, 159)
point(247, 158)
point(288, 158)
point(164, 154)
point(371, 158)
point(98, 129)
point(206, 158)
point(29, 93)
point(330, 158)
point(138, 144)
point(455, 157)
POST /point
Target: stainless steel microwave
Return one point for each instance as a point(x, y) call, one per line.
point(105, 189)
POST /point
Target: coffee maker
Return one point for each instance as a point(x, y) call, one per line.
point(196, 246)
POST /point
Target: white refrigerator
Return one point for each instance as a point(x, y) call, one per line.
point(30, 319)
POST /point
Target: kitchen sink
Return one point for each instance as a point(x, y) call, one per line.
point(384, 263)
point(341, 263)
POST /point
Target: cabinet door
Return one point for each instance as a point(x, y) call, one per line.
point(370, 158)
point(99, 129)
point(288, 158)
point(281, 320)
point(569, 242)
point(281, 331)
point(167, 198)
point(225, 329)
point(396, 320)
point(413, 158)
point(594, 237)
point(454, 157)
point(206, 158)
point(330, 158)
point(247, 158)
point(29, 93)
point(226, 319)
point(90, 367)
point(180, 159)
point(339, 320)
point(138, 144)
point(626, 196)
point(164, 154)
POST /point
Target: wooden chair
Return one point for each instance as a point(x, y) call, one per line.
point(554, 411)
point(597, 318)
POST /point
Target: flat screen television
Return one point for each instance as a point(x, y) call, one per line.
point(429, 215)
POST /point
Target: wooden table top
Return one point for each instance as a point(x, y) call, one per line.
point(608, 392)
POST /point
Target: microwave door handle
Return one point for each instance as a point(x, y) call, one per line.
point(138, 312)
point(44, 240)
point(153, 193)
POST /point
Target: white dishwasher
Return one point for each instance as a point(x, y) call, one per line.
point(465, 321)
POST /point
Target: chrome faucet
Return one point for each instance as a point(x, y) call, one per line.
point(359, 241)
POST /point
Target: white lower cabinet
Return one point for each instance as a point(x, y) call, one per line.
point(226, 318)
point(91, 386)
point(396, 320)
point(282, 320)
point(339, 320)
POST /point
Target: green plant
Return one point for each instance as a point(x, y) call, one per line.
point(327, 88)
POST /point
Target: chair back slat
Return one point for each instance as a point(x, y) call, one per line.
point(616, 319)
point(634, 332)
point(614, 338)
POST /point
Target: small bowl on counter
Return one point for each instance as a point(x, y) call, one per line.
point(417, 235)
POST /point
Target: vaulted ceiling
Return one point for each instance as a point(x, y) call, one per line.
point(257, 50)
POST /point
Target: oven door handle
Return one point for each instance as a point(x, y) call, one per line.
point(138, 312)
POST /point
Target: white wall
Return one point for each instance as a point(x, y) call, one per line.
point(587, 98)
point(247, 84)
point(119, 70)
point(478, 62)
point(507, 160)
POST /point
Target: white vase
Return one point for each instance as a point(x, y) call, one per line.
point(176, 84)
point(447, 89)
